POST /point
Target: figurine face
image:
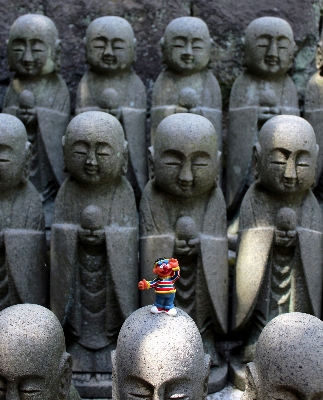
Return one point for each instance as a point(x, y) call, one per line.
point(185, 155)
point(287, 161)
point(162, 269)
point(187, 44)
point(14, 150)
point(32, 45)
point(94, 148)
point(269, 45)
point(110, 44)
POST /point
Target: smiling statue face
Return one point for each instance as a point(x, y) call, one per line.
point(95, 148)
point(185, 155)
point(32, 45)
point(288, 153)
point(110, 44)
point(187, 45)
point(269, 46)
point(178, 371)
point(13, 151)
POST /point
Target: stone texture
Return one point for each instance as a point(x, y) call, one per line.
point(181, 368)
point(279, 260)
point(288, 359)
point(33, 355)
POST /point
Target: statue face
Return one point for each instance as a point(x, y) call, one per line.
point(187, 45)
point(269, 47)
point(110, 45)
point(288, 156)
point(94, 152)
point(32, 46)
point(186, 161)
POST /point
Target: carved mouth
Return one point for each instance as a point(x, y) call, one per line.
point(271, 61)
point(109, 60)
point(91, 170)
point(187, 59)
point(290, 184)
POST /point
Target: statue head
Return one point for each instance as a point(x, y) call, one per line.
point(159, 357)
point(285, 155)
point(289, 360)
point(185, 157)
point(15, 153)
point(95, 149)
point(186, 45)
point(33, 46)
point(110, 45)
point(33, 360)
point(269, 47)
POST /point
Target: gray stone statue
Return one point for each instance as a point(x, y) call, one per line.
point(279, 260)
point(187, 85)
point(111, 86)
point(23, 272)
point(261, 92)
point(289, 360)
point(33, 359)
point(313, 112)
point(39, 97)
point(159, 357)
point(182, 215)
point(94, 248)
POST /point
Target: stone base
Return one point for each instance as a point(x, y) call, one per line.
point(218, 377)
point(237, 372)
point(93, 386)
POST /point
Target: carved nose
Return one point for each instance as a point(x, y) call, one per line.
point(91, 159)
point(28, 57)
point(273, 49)
point(108, 49)
point(188, 48)
point(290, 171)
point(186, 173)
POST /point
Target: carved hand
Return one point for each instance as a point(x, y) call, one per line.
point(88, 236)
point(187, 248)
point(265, 113)
point(196, 110)
point(285, 238)
point(143, 285)
point(27, 115)
point(180, 109)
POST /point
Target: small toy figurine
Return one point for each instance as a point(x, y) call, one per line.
point(168, 273)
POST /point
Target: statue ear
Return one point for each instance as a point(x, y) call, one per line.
point(134, 50)
point(256, 151)
point(207, 363)
point(151, 163)
point(114, 375)
point(64, 161)
point(65, 376)
point(26, 170)
point(251, 382)
point(125, 156)
point(319, 55)
point(162, 47)
point(57, 55)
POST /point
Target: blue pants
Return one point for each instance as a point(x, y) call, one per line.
point(165, 301)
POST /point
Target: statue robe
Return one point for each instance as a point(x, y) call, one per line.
point(159, 213)
point(313, 112)
point(121, 244)
point(167, 90)
point(254, 258)
point(53, 115)
point(248, 93)
point(133, 103)
point(23, 255)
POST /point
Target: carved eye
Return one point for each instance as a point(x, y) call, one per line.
point(278, 162)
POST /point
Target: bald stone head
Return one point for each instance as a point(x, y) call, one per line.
point(110, 45)
point(286, 155)
point(15, 153)
point(95, 149)
point(33, 360)
point(269, 47)
point(186, 45)
point(185, 155)
point(289, 360)
point(159, 357)
point(33, 46)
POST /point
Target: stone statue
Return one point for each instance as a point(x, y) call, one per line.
point(289, 360)
point(111, 86)
point(142, 370)
point(23, 272)
point(186, 85)
point(279, 261)
point(182, 215)
point(39, 97)
point(262, 91)
point(94, 248)
point(33, 359)
point(313, 112)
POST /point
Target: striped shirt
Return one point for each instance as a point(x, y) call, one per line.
point(164, 285)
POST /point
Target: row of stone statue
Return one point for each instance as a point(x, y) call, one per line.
point(157, 357)
point(39, 97)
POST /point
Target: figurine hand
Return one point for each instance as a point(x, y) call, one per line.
point(173, 263)
point(285, 238)
point(143, 285)
point(27, 115)
point(87, 236)
point(187, 248)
